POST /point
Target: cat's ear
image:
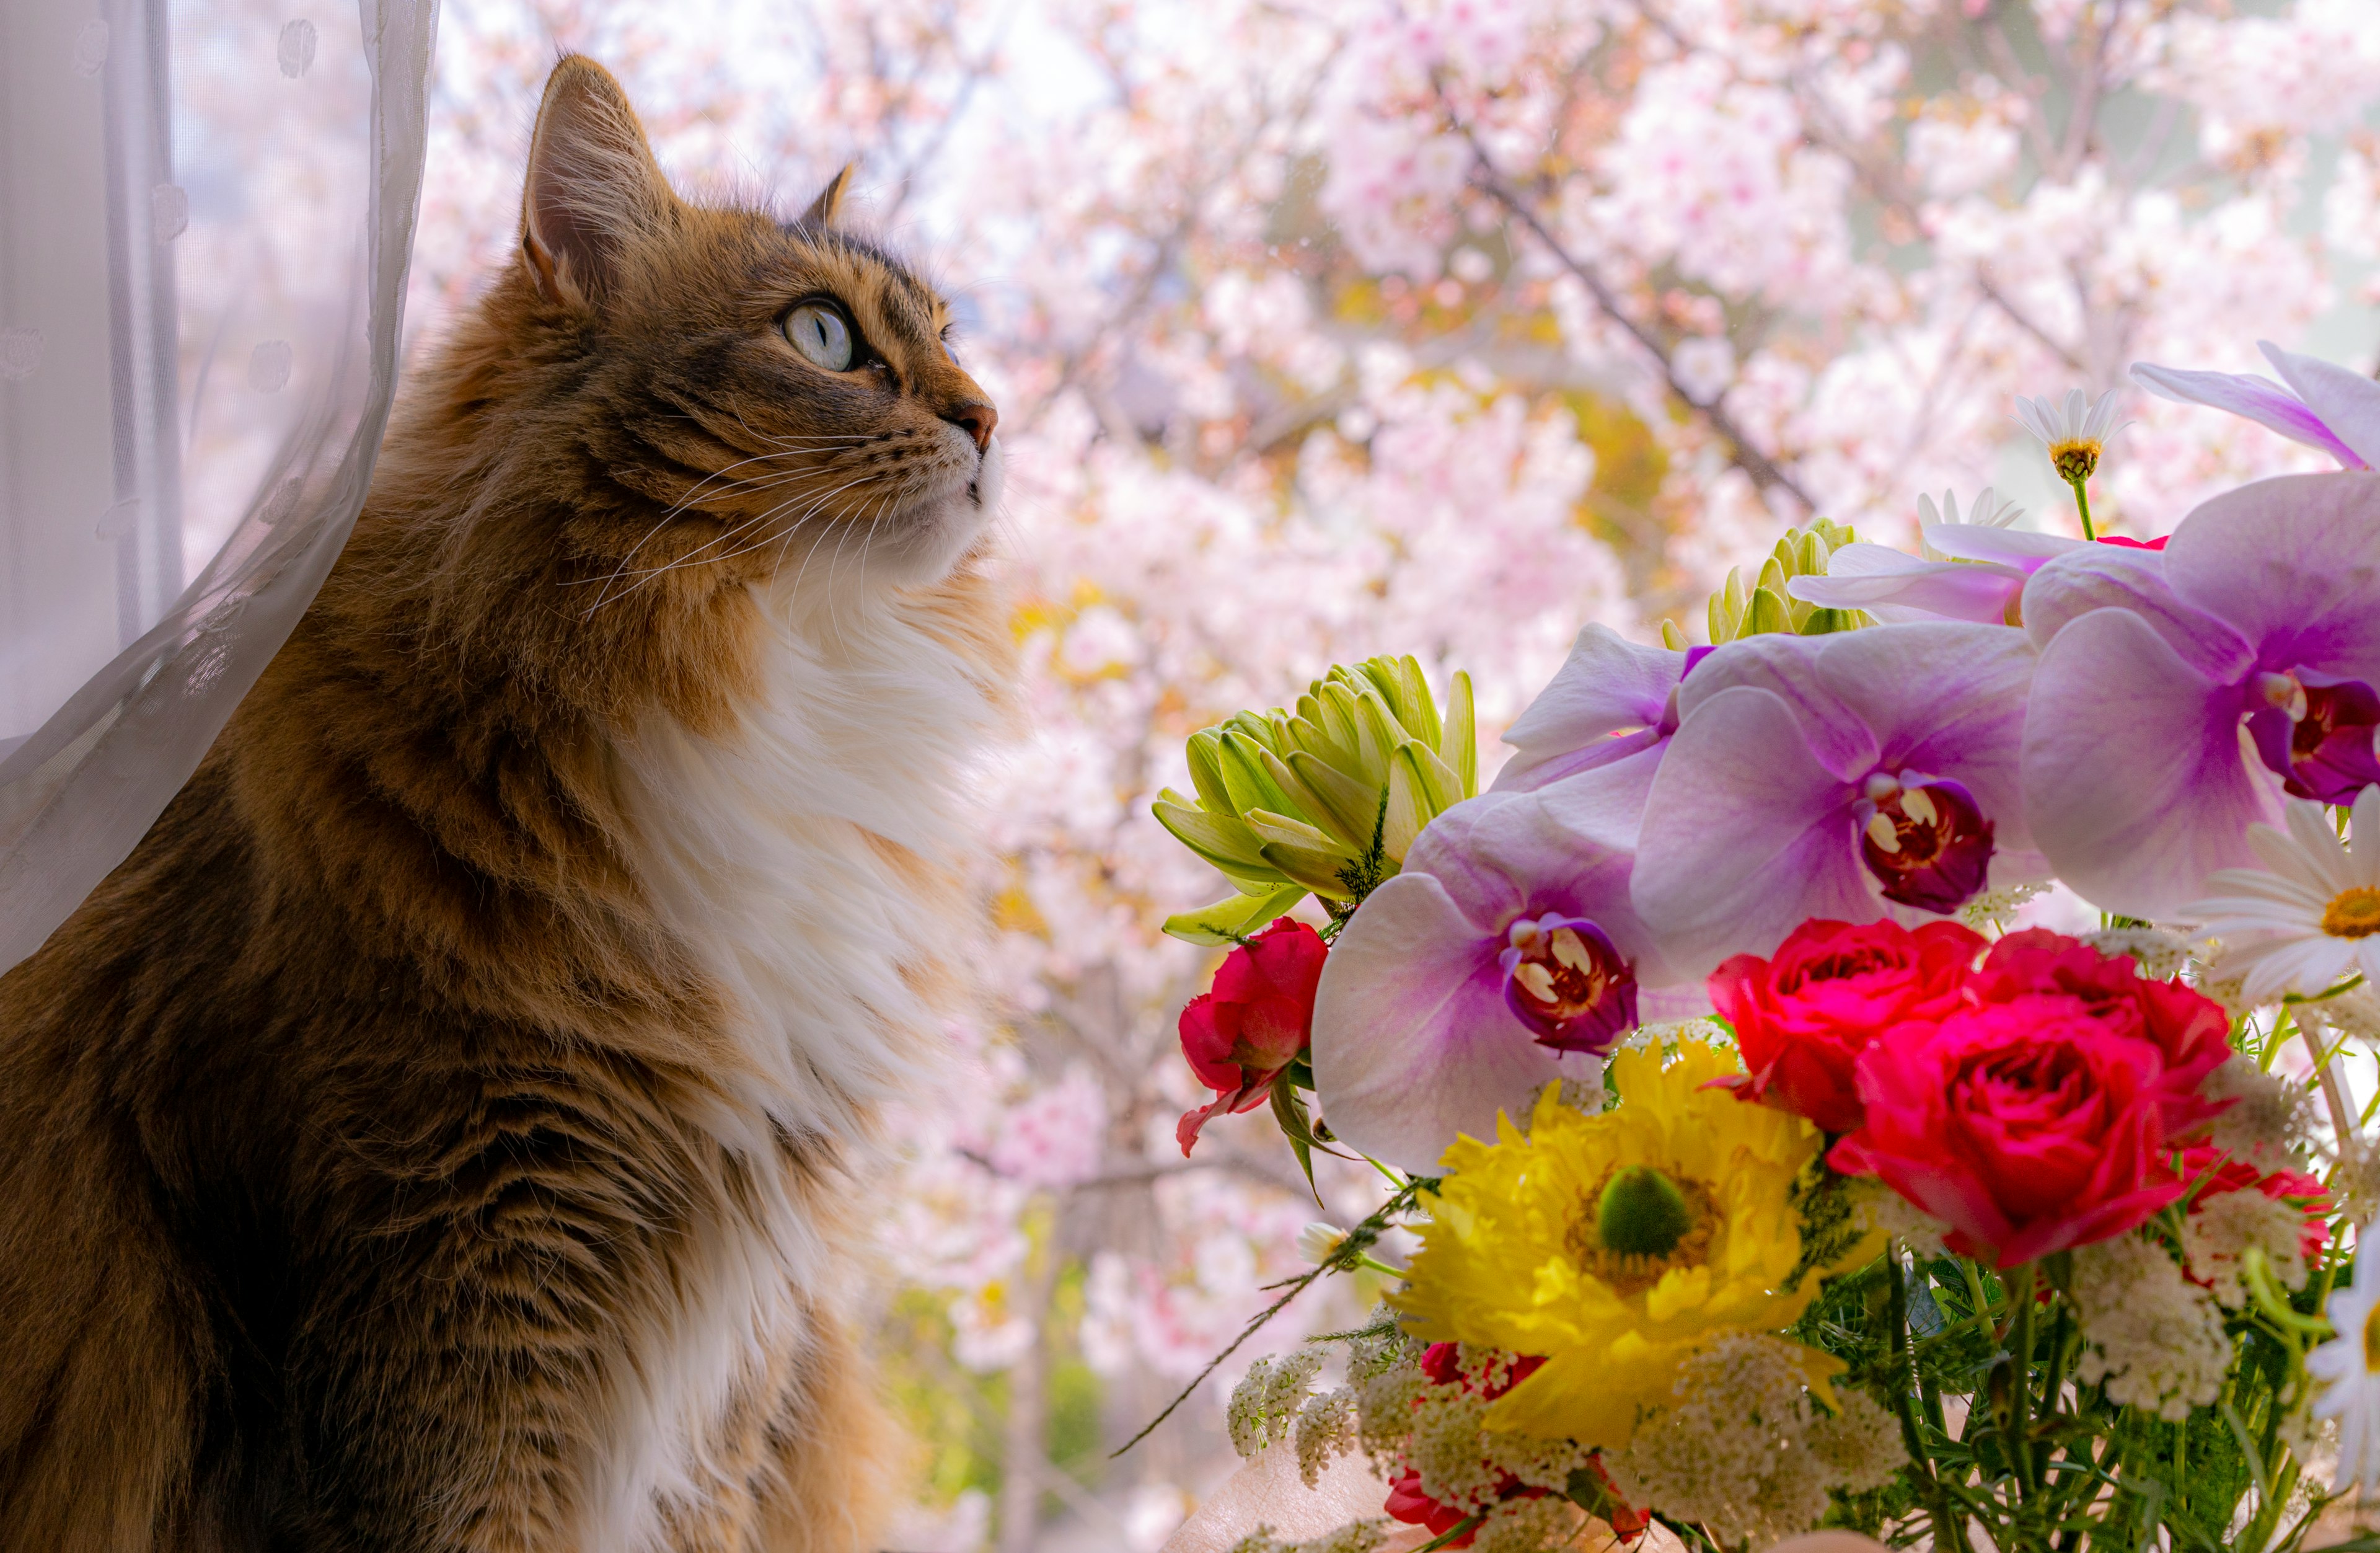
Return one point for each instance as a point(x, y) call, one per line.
point(593, 186)
point(829, 204)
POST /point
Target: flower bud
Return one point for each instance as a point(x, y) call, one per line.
point(1317, 1242)
point(1325, 795)
point(1765, 605)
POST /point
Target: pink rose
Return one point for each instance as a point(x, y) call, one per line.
point(2043, 1113)
point(1803, 1016)
point(1255, 1023)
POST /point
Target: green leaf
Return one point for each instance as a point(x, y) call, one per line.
point(1246, 779)
point(1459, 745)
point(1417, 711)
point(1323, 873)
point(1407, 811)
point(1440, 787)
point(1205, 752)
point(1289, 1110)
point(1767, 613)
point(1345, 807)
point(1220, 840)
point(1234, 917)
point(1273, 828)
point(1380, 730)
point(1334, 714)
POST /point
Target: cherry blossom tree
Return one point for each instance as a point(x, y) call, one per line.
point(1439, 326)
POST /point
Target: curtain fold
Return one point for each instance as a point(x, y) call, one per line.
point(206, 210)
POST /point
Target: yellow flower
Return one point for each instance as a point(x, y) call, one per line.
point(1617, 1246)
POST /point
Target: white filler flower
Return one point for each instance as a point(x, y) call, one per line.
point(2310, 916)
point(2350, 1364)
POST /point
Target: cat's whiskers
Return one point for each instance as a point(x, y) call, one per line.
point(696, 557)
point(677, 508)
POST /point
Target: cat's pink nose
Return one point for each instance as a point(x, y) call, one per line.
point(978, 419)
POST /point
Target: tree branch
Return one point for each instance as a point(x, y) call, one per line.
point(1764, 473)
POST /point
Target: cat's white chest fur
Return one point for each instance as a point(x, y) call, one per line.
point(787, 856)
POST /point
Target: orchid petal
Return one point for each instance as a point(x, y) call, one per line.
point(2293, 565)
point(1412, 1043)
point(2106, 576)
point(1916, 591)
point(1500, 856)
point(1785, 666)
point(1606, 685)
point(2135, 786)
point(1606, 804)
point(1745, 834)
point(2020, 549)
point(1943, 699)
point(1529, 774)
point(2252, 398)
point(2348, 402)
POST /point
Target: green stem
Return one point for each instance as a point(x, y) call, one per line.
point(1453, 1533)
point(1948, 1531)
point(2082, 506)
point(2022, 1283)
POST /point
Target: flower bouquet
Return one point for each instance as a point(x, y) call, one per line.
point(1923, 1223)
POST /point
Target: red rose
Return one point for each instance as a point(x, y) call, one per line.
point(2041, 1115)
point(1803, 1016)
point(1255, 1023)
point(2192, 1031)
point(1442, 1364)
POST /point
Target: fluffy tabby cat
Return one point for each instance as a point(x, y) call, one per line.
point(447, 1131)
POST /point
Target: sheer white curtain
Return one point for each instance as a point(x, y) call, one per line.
point(205, 212)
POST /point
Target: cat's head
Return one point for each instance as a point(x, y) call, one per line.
point(733, 396)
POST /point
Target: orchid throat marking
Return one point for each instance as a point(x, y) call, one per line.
point(1924, 839)
point(1568, 982)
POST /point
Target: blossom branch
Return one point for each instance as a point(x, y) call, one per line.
point(1765, 472)
point(1345, 1258)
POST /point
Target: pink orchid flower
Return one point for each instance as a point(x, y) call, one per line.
point(2263, 614)
point(1853, 776)
point(1505, 955)
point(2324, 406)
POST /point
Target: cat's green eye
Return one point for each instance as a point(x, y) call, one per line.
point(819, 332)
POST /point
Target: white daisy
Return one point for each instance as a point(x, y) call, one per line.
point(2311, 915)
point(1987, 511)
point(1318, 1242)
point(2349, 1365)
point(2075, 433)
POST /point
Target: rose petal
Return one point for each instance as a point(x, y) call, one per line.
point(2293, 565)
point(1413, 1043)
point(1746, 836)
point(2347, 403)
point(2135, 787)
point(2253, 398)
